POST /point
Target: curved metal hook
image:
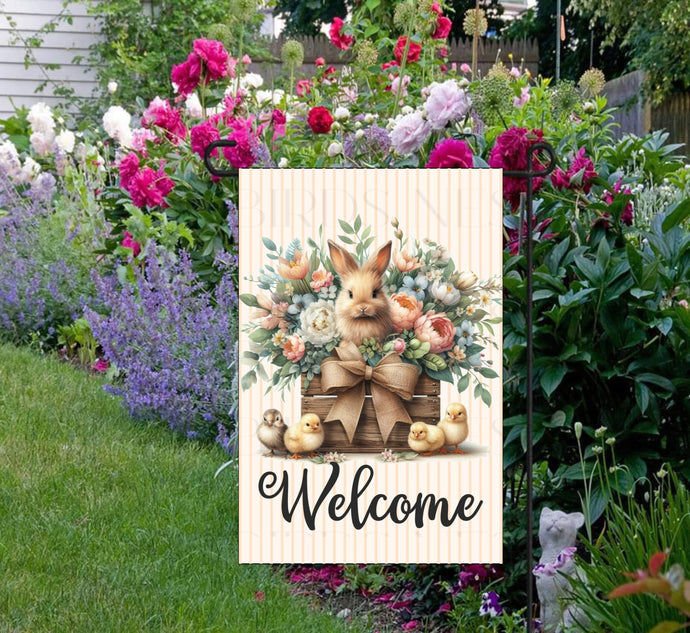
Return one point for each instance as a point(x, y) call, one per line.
point(539, 173)
point(210, 148)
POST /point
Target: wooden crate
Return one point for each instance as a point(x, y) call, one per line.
point(424, 407)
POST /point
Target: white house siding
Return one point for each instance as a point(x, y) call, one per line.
point(17, 83)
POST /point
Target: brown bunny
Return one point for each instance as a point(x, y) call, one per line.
point(362, 309)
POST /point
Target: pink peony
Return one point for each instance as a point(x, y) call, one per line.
point(278, 117)
point(405, 310)
point(436, 8)
point(294, 348)
point(187, 75)
point(446, 102)
point(524, 97)
point(399, 345)
point(465, 68)
point(246, 59)
point(321, 279)
point(303, 87)
point(202, 135)
point(580, 174)
point(214, 56)
point(319, 61)
point(451, 153)
point(242, 155)
point(128, 168)
point(510, 153)
point(128, 241)
point(628, 214)
point(338, 38)
point(435, 329)
point(443, 26)
point(148, 188)
point(160, 114)
point(140, 137)
point(101, 366)
point(413, 52)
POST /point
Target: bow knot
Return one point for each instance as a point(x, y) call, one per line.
point(346, 375)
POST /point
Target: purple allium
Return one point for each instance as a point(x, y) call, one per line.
point(374, 142)
point(173, 342)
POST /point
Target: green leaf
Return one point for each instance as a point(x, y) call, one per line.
point(248, 380)
point(358, 223)
point(346, 227)
point(668, 627)
point(655, 379)
point(249, 300)
point(487, 372)
point(676, 214)
point(642, 394)
point(269, 244)
point(463, 383)
point(260, 335)
point(557, 419)
point(551, 377)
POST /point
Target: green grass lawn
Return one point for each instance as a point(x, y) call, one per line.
point(111, 525)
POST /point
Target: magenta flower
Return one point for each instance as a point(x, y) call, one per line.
point(101, 366)
point(148, 188)
point(128, 167)
point(338, 38)
point(162, 115)
point(451, 152)
point(580, 174)
point(628, 214)
point(201, 135)
point(214, 56)
point(443, 26)
point(242, 154)
point(187, 75)
point(128, 241)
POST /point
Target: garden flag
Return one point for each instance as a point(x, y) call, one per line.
point(370, 412)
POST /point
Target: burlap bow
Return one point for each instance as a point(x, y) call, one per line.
point(390, 380)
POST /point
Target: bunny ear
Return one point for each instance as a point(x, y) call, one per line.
point(379, 261)
point(343, 262)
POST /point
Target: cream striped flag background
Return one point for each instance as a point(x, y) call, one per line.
point(458, 208)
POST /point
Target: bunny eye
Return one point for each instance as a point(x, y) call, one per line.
point(374, 293)
point(351, 295)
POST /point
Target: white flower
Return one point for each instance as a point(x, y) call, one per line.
point(407, 109)
point(30, 170)
point(192, 106)
point(335, 148)
point(283, 162)
point(42, 142)
point(447, 102)
point(445, 292)
point(9, 160)
point(65, 141)
point(358, 125)
point(369, 118)
point(359, 134)
point(342, 113)
point(463, 83)
point(278, 96)
point(112, 87)
point(263, 96)
point(116, 122)
point(41, 118)
point(318, 322)
point(251, 80)
point(409, 133)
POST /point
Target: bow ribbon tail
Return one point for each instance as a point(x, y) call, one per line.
point(347, 409)
point(389, 410)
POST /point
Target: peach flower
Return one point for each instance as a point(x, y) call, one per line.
point(293, 349)
point(435, 329)
point(404, 262)
point(399, 345)
point(272, 314)
point(296, 268)
point(321, 279)
point(405, 310)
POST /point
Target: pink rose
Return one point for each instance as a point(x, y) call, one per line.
point(465, 68)
point(202, 135)
point(399, 346)
point(303, 87)
point(128, 241)
point(246, 59)
point(294, 348)
point(321, 279)
point(405, 310)
point(214, 56)
point(338, 39)
point(435, 329)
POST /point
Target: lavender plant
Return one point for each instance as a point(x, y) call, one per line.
point(172, 342)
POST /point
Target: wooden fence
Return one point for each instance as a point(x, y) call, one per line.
point(635, 114)
point(460, 51)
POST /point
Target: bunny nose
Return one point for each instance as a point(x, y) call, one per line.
point(362, 308)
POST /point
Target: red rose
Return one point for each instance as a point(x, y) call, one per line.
point(338, 39)
point(320, 120)
point(413, 51)
point(443, 25)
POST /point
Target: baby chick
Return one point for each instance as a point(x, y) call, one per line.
point(425, 438)
point(271, 431)
point(304, 437)
point(454, 426)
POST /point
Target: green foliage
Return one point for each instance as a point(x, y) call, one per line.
point(78, 342)
point(307, 18)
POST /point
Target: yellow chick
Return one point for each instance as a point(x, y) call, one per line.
point(271, 431)
point(455, 427)
point(304, 437)
point(425, 438)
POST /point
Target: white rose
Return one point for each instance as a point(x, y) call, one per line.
point(318, 322)
point(42, 142)
point(341, 113)
point(41, 118)
point(283, 162)
point(65, 141)
point(116, 122)
point(193, 106)
point(445, 292)
point(30, 170)
point(112, 87)
point(334, 149)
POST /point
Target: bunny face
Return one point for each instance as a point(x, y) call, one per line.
point(362, 309)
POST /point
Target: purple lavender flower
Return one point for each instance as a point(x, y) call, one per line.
point(233, 221)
